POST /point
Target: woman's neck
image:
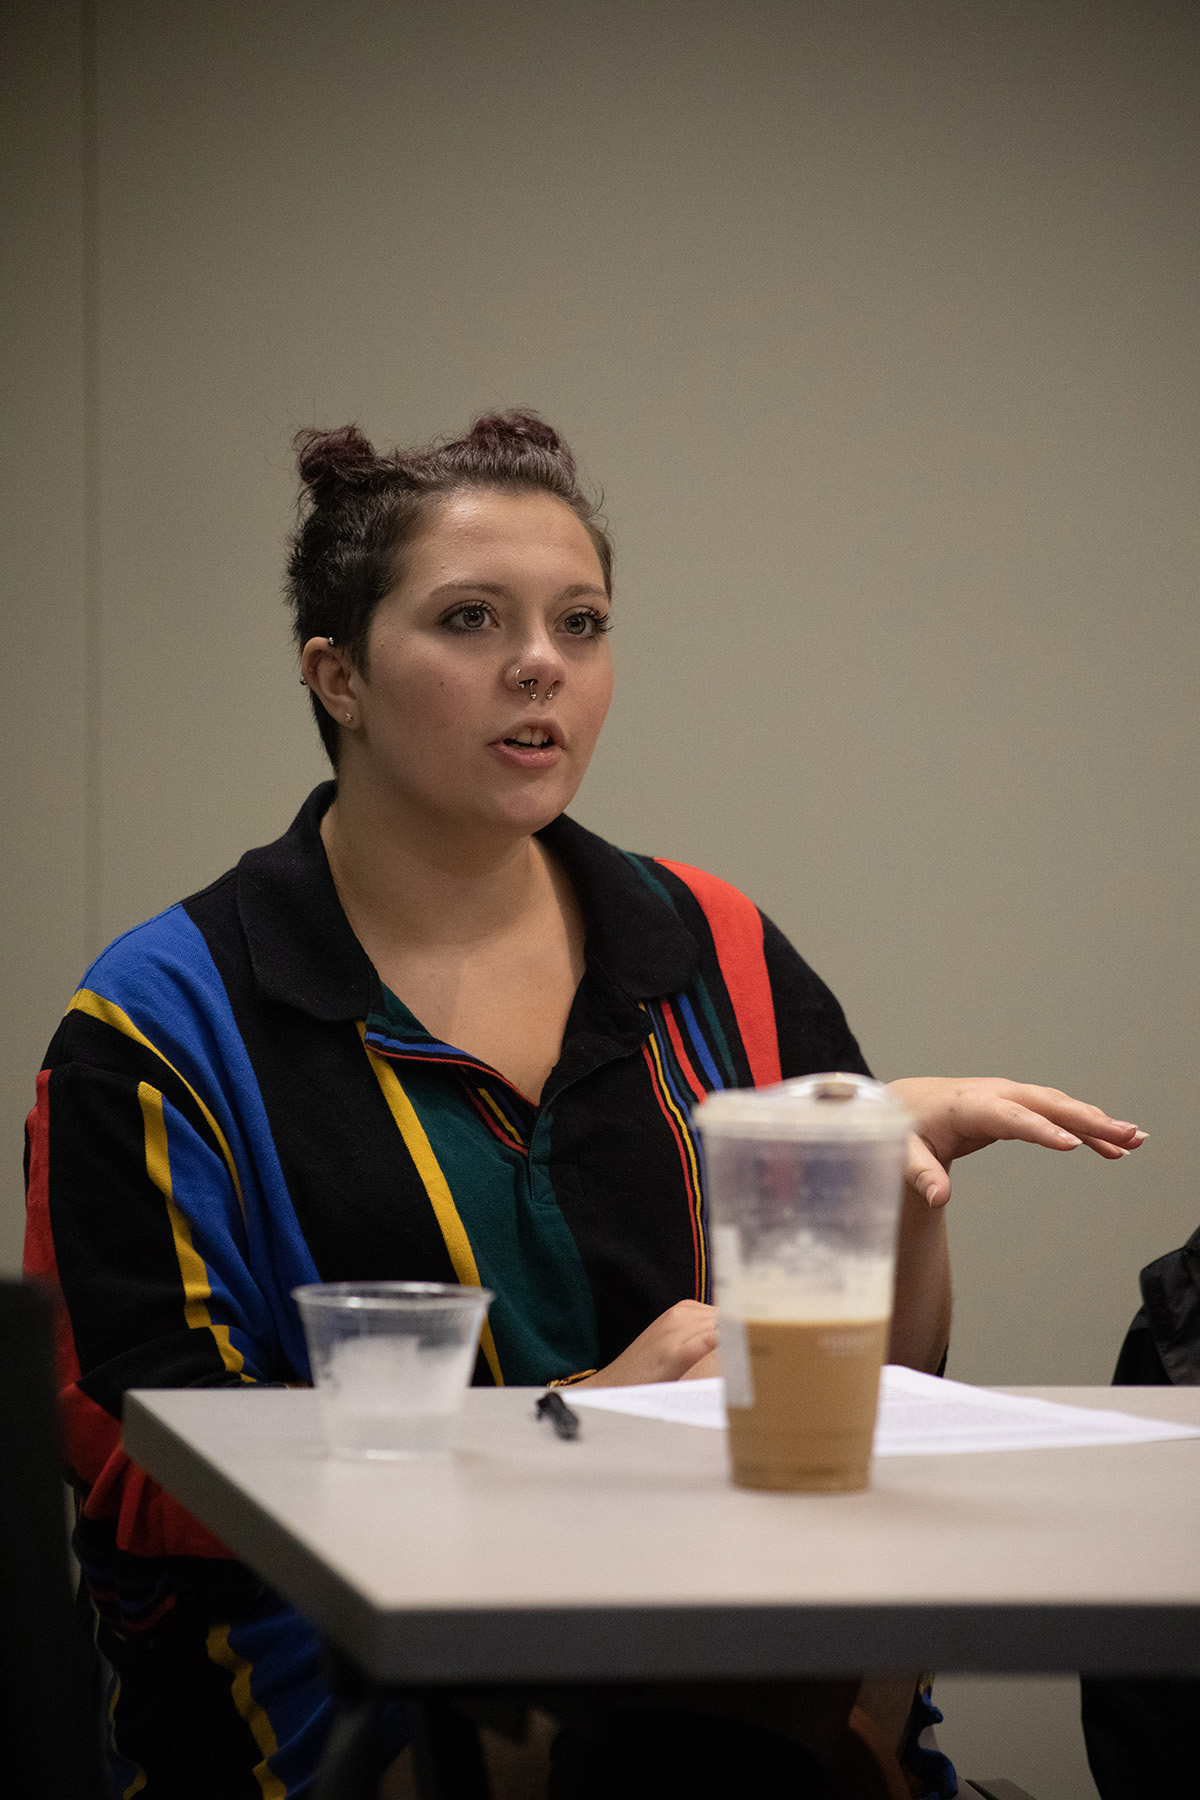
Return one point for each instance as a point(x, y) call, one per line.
point(479, 933)
point(405, 879)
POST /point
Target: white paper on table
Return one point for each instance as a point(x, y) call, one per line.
point(919, 1415)
point(678, 1402)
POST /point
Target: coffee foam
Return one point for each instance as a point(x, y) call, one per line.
point(847, 1288)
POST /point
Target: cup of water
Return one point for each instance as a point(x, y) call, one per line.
point(391, 1361)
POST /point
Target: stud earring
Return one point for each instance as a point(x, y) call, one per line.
point(349, 718)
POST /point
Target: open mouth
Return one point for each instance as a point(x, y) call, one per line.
point(532, 737)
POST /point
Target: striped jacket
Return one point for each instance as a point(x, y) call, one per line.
point(234, 1105)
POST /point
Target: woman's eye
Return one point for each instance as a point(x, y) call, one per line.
point(584, 624)
point(468, 618)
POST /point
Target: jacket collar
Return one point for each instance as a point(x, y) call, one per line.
point(304, 953)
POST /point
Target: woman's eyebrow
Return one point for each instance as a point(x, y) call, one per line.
point(470, 587)
point(577, 591)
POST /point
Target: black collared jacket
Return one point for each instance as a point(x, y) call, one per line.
point(234, 1104)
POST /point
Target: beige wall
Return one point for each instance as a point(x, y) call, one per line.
point(45, 776)
point(876, 321)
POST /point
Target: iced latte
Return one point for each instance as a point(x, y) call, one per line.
point(804, 1186)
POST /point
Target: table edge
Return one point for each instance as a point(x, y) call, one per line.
point(682, 1640)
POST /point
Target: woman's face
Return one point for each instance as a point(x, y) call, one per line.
point(493, 582)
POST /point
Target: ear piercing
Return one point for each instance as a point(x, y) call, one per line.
point(329, 641)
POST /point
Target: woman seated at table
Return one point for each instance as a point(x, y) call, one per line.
point(437, 1031)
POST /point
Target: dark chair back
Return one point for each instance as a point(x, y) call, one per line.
point(1143, 1735)
point(49, 1711)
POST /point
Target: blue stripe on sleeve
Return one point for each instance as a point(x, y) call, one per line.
point(162, 975)
point(701, 1048)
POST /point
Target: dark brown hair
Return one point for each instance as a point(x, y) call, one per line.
point(359, 510)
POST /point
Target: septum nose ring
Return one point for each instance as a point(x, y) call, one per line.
point(530, 685)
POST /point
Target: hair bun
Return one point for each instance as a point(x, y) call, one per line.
point(332, 460)
point(494, 429)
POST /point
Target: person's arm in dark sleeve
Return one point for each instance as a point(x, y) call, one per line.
point(814, 1037)
point(134, 1215)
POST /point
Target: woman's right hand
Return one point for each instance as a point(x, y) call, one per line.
point(678, 1338)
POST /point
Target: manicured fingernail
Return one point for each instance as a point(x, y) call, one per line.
point(929, 1188)
point(1140, 1137)
point(1123, 1124)
point(1069, 1140)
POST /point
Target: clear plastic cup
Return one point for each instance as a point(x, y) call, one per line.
point(391, 1361)
point(804, 1181)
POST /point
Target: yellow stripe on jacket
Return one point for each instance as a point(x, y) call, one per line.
point(436, 1187)
point(221, 1651)
point(197, 1289)
point(108, 1013)
point(689, 1148)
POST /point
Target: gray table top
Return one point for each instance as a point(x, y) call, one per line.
point(628, 1554)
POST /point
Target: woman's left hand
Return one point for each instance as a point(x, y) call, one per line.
point(956, 1116)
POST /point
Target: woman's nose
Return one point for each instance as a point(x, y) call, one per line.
point(539, 666)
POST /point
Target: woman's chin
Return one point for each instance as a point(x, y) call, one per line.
point(538, 810)
point(535, 813)
point(519, 812)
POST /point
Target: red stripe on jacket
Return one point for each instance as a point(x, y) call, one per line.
point(149, 1522)
point(685, 1064)
point(738, 936)
point(663, 1107)
point(39, 1260)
